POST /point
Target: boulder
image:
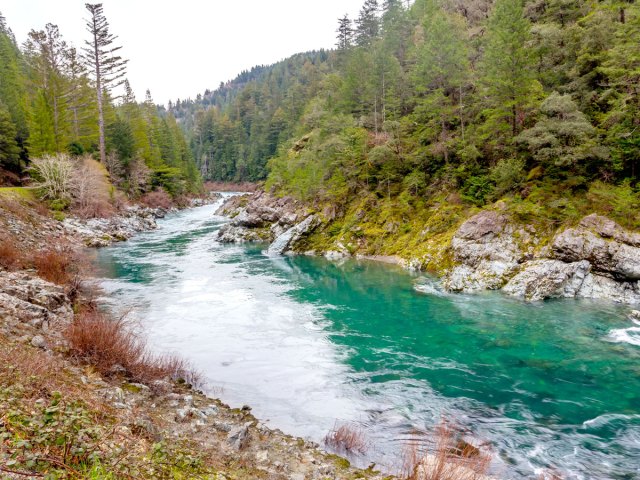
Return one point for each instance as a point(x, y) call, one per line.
point(612, 251)
point(238, 437)
point(540, 279)
point(486, 253)
point(289, 238)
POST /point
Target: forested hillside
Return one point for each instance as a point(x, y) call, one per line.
point(537, 100)
point(52, 102)
point(237, 128)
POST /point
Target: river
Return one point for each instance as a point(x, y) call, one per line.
point(309, 343)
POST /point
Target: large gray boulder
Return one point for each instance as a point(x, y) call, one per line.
point(288, 239)
point(486, 253)
point(612, 251)
point(540, 279)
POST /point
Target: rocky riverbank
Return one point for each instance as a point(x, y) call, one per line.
point(490, 250)
point(165, 429)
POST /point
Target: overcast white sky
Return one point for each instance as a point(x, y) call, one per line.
point(179, 48)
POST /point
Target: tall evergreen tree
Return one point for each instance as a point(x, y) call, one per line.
point(368, 23)
point(345, 33)
point(9, 149)
point(107, 67)
point(508, 81)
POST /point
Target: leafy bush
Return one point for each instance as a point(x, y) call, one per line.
point(477, 189)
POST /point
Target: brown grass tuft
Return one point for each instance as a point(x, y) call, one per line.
point(10, 256)
point(59, 264)
point(113, 346)
point(346, 438)
point(444, 455)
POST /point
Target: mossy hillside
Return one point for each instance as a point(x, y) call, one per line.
point(419, 230)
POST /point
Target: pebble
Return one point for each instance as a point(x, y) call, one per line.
point(39, 342)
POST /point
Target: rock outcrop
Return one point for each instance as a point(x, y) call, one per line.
point(264, 218)
point(28, 302)
point(612, 251)
point(486, 252)
point(101, 232)
point(289, 238)
point(597, 259)
point(542, 279)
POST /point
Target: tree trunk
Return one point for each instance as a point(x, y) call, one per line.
point(103, 149)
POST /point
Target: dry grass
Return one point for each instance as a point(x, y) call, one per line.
point(346, 438)
point(10, 257)
point(113, 346)
point(59, 264)
point(445, 455)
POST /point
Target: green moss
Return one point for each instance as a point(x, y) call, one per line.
point(339, 462)
point(20, 193)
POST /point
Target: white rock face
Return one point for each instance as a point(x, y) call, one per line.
point(597, 259)
point(101, 232)
point(284, 242)
point(542, 279)
point(487, 254)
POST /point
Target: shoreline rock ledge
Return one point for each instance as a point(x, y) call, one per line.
point(597, 259)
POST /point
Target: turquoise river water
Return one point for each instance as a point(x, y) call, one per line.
point(309, 343)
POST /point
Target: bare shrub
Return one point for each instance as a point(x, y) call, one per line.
point(444, 455)
point(55, 176)
point(113, 346)
point(157, 199)
point(114, 168)
point(139, 176)
point(91, 194)
point(347, 438)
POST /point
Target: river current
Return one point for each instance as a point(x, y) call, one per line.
point(311, 343)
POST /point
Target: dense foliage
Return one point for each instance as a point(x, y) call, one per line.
point(49, 104)
point(480, 97)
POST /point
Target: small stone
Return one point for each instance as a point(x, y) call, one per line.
point(246, 408)
point(238, 437)
point(210, 411)
point(262, 456)
point(222, 427)
point(634, 315)
point(39, 342)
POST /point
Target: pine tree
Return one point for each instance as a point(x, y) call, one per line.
point(9, 149)
point(101, 58)
point(12, 86)
point(441, 76)
point(509, 86)
point(368, 23)
point(80, 101)
point(46, 53)
point(345, 33)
